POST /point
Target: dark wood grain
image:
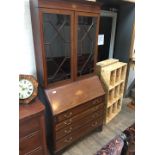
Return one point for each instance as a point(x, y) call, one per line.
point(30, 142)
point(28, 111)
point(38, 7)
point(80, 99)
point(81, 113)
point(78, 133)
point(28, 126)
point(32, 129)
point(75, 5)
point(38, 46)
point(73, 106)
point(74, 126)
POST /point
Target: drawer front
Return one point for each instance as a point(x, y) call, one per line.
point(30, 142)
point(37, 151)
point(67, 140)
point(29, 126)
point(83, 107)
point(65, 131)
point(77, 117)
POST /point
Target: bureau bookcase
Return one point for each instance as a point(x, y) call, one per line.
point(78, 109)
point(65, 38)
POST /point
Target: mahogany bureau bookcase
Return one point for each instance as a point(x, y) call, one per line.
point(32, 129)
point(65, 39)
point(77, 110)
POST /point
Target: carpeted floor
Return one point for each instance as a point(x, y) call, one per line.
point(122, 144)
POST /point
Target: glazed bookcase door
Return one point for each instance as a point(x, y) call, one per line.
point(57, 44)
point(87, 29)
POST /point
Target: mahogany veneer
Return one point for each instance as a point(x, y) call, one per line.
point(65, 36)
point(32, 129)
point(77, 109)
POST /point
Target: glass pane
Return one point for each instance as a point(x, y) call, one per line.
point(57, 43)
point(86, 44)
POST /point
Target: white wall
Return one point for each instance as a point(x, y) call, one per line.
point(16, 57)
point(26, 56)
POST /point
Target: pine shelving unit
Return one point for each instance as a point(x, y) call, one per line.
point(112, 74)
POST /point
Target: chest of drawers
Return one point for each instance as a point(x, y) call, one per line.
point(32, 129)
point(77, 109)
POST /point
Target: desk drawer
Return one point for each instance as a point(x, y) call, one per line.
point(65, 131)
point(75, 135)
point(29, 126)
point(79, 116)
point(37, 151)
point(70, 113)
point(30, 142)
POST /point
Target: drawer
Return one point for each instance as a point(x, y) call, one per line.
point(30, 142)
point(29, 126)
point(77, 117)
point(72, 137)
point(70, 113)
point(63, 132)
point(37, 151)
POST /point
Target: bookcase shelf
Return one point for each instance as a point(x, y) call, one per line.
point(112, 74)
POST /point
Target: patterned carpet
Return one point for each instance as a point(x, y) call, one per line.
point(123, 144)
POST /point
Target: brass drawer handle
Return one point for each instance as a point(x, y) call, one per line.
point(68, 131)
point(94, 124)
point(68, 115)
point(68, 122)
point(68, 140)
